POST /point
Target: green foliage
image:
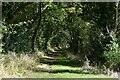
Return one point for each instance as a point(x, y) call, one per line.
point(112, 53)
point(16, 36)
point(76, 27)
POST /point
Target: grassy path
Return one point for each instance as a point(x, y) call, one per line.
point(61, 67)
point(65, 75)
point(59, 71)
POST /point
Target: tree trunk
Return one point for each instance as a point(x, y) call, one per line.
point(74, 42)
point(116, 15)
point(36, 29)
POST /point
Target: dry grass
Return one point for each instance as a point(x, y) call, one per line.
point(13, 65)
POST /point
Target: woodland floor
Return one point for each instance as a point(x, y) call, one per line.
point(61, 67)
point(60, 71)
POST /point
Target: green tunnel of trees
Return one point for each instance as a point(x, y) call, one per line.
point(90, 29)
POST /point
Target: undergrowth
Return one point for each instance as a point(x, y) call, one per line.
point(16, 65)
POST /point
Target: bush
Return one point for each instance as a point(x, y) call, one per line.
point(112, 53)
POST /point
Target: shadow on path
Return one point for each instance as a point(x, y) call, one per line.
point(64, 62)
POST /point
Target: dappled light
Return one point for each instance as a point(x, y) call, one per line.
point(60, 40)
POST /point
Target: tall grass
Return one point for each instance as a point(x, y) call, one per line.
point(14, 65)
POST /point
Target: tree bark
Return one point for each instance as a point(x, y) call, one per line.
point(116, 15)
point(74, 42)
point(36, 29)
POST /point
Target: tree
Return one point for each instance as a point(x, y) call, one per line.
point(37, 28)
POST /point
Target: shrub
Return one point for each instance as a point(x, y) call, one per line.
point(112, 53)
